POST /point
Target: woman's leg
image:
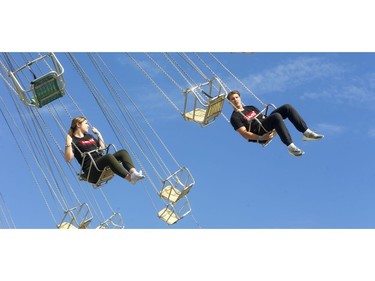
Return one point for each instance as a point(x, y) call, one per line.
point(124, 157)
point(111, 161)
point(121, 164)
point(93, 175)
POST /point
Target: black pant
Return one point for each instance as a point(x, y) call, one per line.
point(113, 161)
point(276, 121)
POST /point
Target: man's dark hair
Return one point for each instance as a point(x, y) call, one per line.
point(232, 93)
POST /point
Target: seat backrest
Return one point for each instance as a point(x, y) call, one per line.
point(214, 108)
point(47, 88)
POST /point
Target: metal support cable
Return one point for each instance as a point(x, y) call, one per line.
point(238, 80)
point(153, 82)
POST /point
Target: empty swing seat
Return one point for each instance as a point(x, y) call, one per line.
point(47, 88)
point(115, 221)
point(168, 216)
point(172, 194)
point(44, 89)
point(177, 185)
point(78, 217)
point(201, 104)
point(209, 113)
point(173, 212)
point(66, 225)
point(197, 115)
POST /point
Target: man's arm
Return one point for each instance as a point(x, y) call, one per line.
point(247, 135)
point(254, 137)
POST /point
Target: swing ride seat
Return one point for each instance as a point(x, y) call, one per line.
point(172, 194)
point(106, 174)
point(66, 225)
point(264, 112)
point(201, 106)
point(115, 221)
point(44, 89)
point(78, 217)
point(47, 88)
point(85, 224)
point(177, 185)
point(209, 114)
point(170, 215)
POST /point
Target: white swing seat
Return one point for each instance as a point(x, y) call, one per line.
point(66, 225)
point(85, 224)
point(204, 109)
point(206, 116)
point(78, 217)
point(197, 115)
point(168, 216)
point(115, 221)
point(177, 185)
point(173, 212)
point(172, 194)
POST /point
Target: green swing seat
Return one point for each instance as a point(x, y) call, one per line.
point(43, 89)
point(47, 88)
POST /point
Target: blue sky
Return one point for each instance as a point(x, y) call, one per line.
point(259, 208)
point(237, 184)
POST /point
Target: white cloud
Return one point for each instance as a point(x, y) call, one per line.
point(330, 129)
point(292, 74)
point(321, 79)
point(356, 89)
point(353, 93)
point(135, 61)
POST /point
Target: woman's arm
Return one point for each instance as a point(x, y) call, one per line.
point(100, 138)
point(69, 155)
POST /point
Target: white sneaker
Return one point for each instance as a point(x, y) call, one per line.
point(311, 136)
point(296, 151)
point(136, 176)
